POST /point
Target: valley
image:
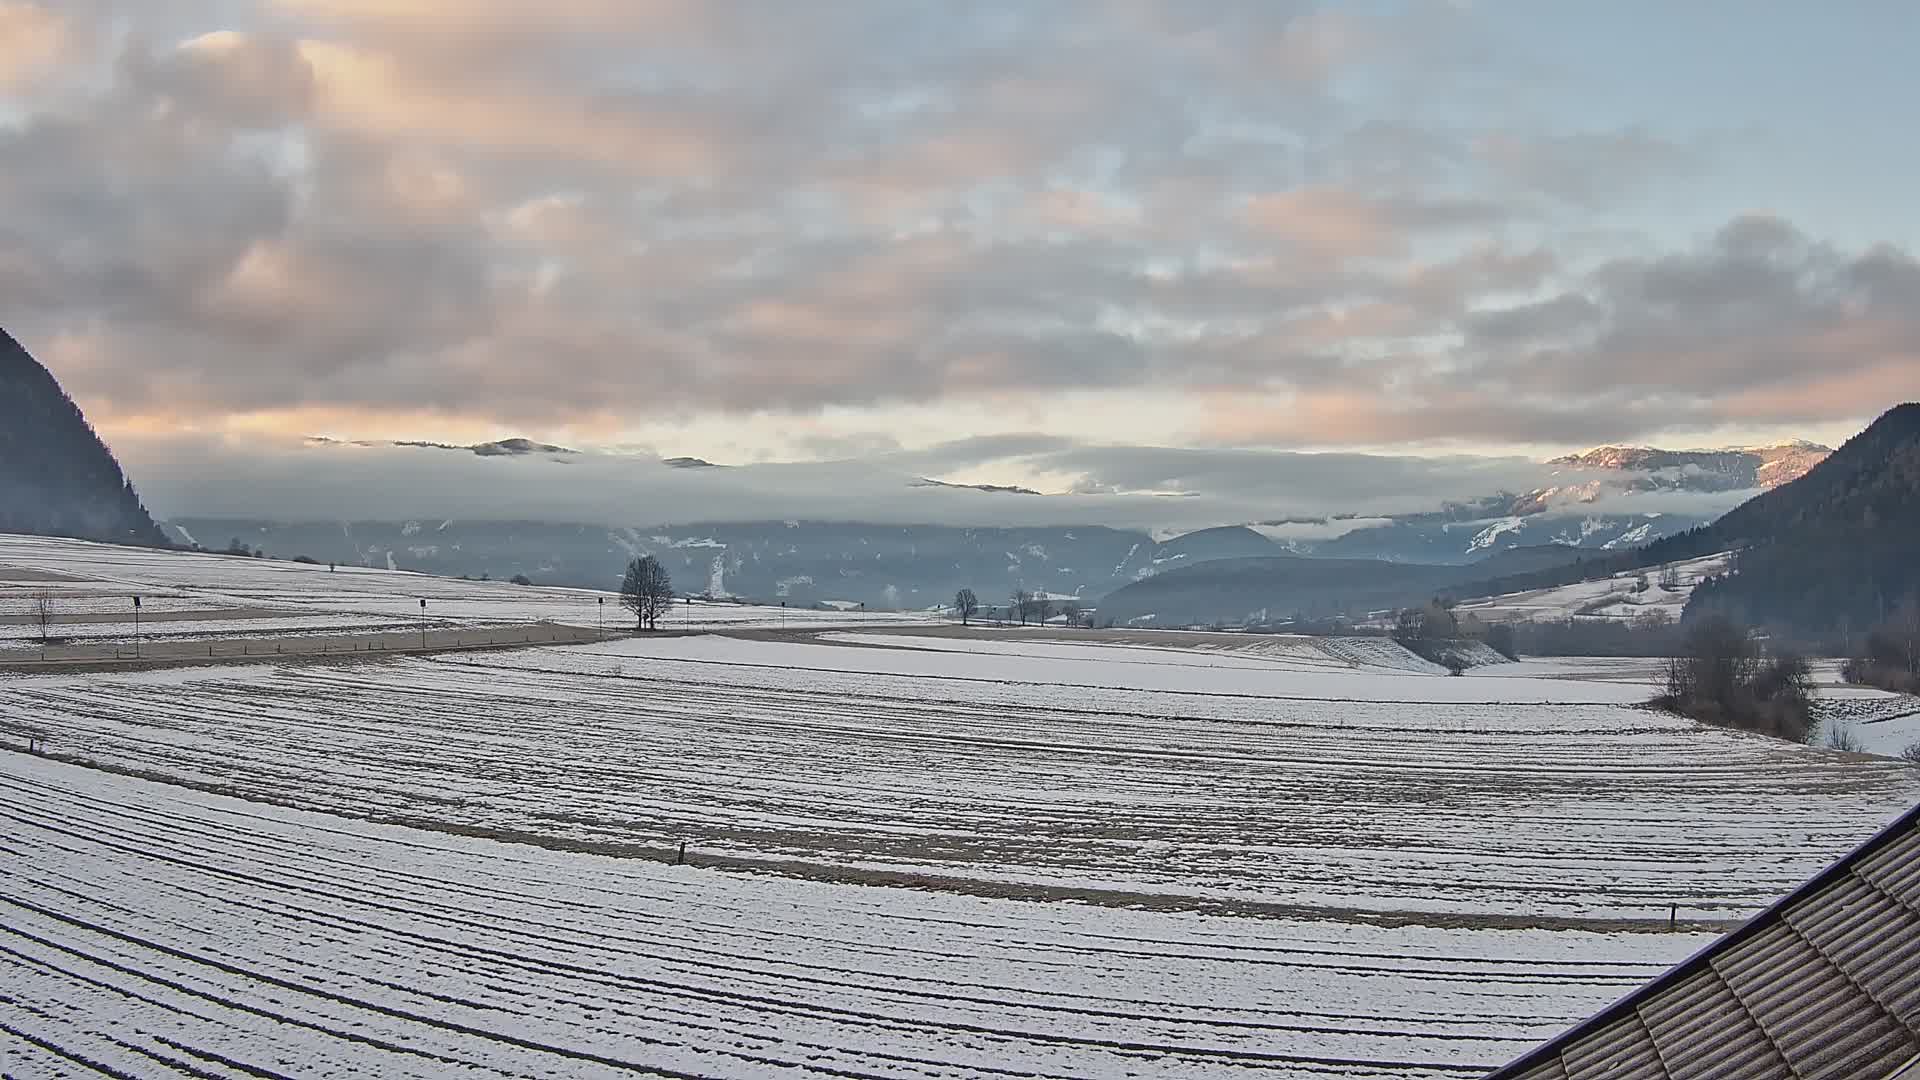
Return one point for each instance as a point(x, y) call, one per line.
point(865, 847)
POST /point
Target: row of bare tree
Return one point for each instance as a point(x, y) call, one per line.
point(1023, 605)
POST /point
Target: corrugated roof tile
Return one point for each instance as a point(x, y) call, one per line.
point(1873, 938)
point(1623, 1050)
point(1825, 985)
point(1896, 868)
point(1704, 1034)
point(1822, 1022)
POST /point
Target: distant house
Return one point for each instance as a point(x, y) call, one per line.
point(1824, 984)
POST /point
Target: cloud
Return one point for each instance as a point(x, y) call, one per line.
point(1335, 224)
point(608, 214)
point(1760, 324)
point(1592, 169)
point(1125, 486)
point(36, 40)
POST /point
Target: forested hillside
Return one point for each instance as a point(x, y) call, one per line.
point(56, 477)
point(1837, 550)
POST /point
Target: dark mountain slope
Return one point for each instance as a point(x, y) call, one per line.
point(1836, 550)
point(1871, 483)
point(56, 477)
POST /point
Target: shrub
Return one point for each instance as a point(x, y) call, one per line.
point(1841, 737)
point(1911, 755)
point(1718, 679)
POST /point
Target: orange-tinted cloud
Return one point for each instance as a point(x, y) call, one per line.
point(35, 40)
point(512, 215)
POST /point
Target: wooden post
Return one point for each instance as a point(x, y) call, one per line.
point(681, 859)
point(1673, 915)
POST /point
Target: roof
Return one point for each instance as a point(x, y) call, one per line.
point(1825, 983)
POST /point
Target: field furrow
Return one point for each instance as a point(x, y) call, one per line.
point(1496, 810)
point(147, 924)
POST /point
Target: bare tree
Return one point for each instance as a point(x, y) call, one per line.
point(1842, 737)
point(1718, 658)
point(965, 604)
point(1670, 578)
point(43, 611)
point(1071, 609)
point(1021, 604)
point(647, 590)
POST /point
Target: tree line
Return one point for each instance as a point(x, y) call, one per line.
point(1889, 657)
point(1023, 605)
point(1434, 633)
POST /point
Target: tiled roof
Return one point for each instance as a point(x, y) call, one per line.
point(1824, 984)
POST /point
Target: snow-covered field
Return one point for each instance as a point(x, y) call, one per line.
point(1078, 674)
point(88, 579)
point(1201, 784)
point(1618, 598)
point(1878, 722)
point(916, 851)
point(158, 931)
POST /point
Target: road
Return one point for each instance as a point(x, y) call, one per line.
point(385, 643)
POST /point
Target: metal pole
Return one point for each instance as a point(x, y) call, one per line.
point(136, 627)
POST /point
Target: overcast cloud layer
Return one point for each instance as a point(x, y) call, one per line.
point(806, 230)
point(1160, 489)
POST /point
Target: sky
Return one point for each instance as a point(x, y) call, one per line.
point(758, 231)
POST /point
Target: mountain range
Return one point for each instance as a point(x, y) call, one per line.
point(1826, 556)
point(919, 566)
point(1731, 469)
